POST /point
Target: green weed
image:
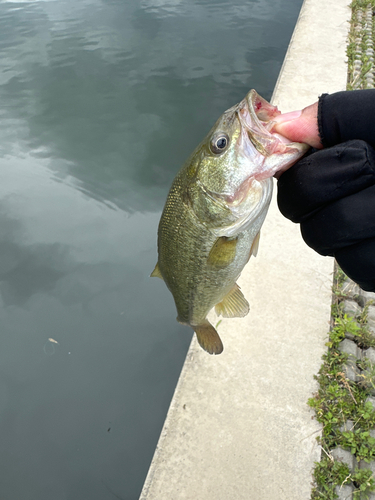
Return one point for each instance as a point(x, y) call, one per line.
point(340, 406)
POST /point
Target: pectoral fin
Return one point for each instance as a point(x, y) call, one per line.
point(156, 272)
point(233, 305)
point(223, 252)
point(208, 338)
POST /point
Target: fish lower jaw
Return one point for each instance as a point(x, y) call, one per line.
point(291, 156)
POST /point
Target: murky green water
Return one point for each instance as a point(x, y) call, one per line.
point(100, 103)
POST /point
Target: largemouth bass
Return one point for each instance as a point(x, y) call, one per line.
point(215, 208)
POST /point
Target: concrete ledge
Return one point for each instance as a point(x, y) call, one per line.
point(238, 426)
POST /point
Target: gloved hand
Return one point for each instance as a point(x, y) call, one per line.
point(331, 191)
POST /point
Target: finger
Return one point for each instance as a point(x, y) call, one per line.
point(300, 126)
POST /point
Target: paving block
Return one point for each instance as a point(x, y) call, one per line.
point(365, 465)
point(343, 456)
point(371, 400)
point(370, 354)
point(371, 466)
point(344, 492)
point(351, 289)
point(350, 348)
point(347, 426)
point(371, 316)
point(350, 372)
point(351, 308)
point(368, 375)
point(365, 297)
point(370, 496)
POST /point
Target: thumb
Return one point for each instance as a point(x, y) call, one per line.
point(300, 126)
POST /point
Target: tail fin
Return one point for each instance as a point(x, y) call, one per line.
point(208, 338)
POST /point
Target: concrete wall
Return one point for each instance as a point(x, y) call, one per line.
point(238, 426)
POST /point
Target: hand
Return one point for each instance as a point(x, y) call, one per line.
point(331, 194)
point(300, 126)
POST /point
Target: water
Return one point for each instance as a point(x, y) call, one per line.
point(100, 103)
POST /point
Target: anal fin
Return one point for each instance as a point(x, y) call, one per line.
point(208, 338)
point(233, 305)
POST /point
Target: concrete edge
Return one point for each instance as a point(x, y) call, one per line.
point(309, 69)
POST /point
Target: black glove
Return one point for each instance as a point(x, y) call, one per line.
point(347, 115)
point(331, 193)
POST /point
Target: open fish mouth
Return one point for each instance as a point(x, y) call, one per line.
point(256, 116)
point(260, 109)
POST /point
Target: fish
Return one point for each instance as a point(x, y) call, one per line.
point(210, 225)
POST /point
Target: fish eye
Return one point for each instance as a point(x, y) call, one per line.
point(219, 143)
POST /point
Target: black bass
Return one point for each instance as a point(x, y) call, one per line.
point(215, 208)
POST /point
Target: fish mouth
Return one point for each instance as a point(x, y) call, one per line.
point(261, 110)
point(256, 116)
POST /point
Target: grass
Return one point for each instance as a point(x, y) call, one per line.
point(359, 40)
point(342, 408)
point(329, 472)
point(340, 405)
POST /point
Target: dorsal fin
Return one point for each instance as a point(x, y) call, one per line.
point(156, 272)
point(233, 305)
